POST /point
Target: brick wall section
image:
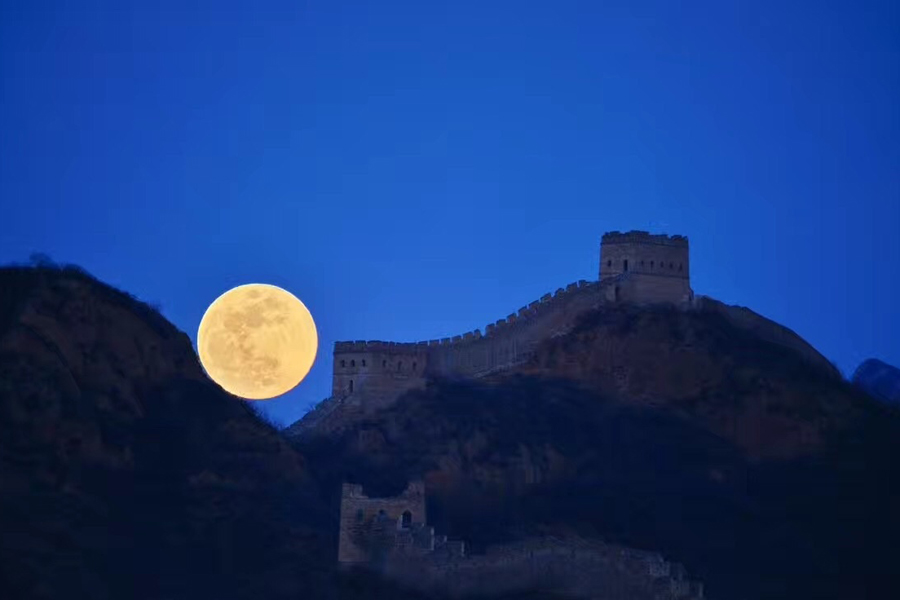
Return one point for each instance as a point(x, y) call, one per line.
point(646, 254)
point(635, 267)
point(378, 370)
point(577, 567)
point(368, 375)
point(358, 511)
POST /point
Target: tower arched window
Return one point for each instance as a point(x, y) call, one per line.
point(351, 386)
point(352, 363)
point(414, 366)
point(609, 263)
point(343, 363)
point(363, 362)
point(651, 264)
point(625, 265)
point(406, 520)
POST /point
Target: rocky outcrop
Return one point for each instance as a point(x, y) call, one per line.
point(878, 379)
point(742, 377)
point(769, 331)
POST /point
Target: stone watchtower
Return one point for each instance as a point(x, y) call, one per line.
point(651, 268)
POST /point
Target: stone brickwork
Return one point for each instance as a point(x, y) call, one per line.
point(368, 525)
point(575, 567)
point(374, 533)
point(635, 267)
point(658, 264)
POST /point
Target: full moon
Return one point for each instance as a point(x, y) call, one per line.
point(257, 341)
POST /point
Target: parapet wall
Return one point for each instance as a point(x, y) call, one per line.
point(643, 237)
point(381, 370)
point(512, 340)
point(576, 567)
point(635, 267)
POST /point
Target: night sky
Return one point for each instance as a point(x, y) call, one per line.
point(414, 170)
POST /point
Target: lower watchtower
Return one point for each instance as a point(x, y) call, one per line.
point(657, 266)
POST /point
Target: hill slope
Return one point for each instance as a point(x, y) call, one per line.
point(125, 473)
point(659, 429)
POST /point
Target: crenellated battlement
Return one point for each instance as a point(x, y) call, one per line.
point(533, 309)
point(644, 237)
point(635, 267)
point(379, 346)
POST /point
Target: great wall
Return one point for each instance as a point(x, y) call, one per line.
point(391, 535)
point(635, 268)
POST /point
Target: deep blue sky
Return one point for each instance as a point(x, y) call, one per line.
point(414, 170)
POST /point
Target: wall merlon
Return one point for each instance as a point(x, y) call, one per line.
point(643, 237)
point(379, 346)
point(352, 490)
point(546, 297)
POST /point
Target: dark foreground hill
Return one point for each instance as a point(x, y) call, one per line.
point(658, 429)
point(125, 473)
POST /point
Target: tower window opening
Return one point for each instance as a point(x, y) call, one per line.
point(642, 263)
point(609, 263)
point(352, 363)
point(625, 265)
point(405, 520)
point(399, 365)
point(360, 515)
point(383, 364)
point(680, 267)
point(671, 265)
point(343, 363)
point(351, 386)
point(414, 366)
point(651, 264)
point(364, 362)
